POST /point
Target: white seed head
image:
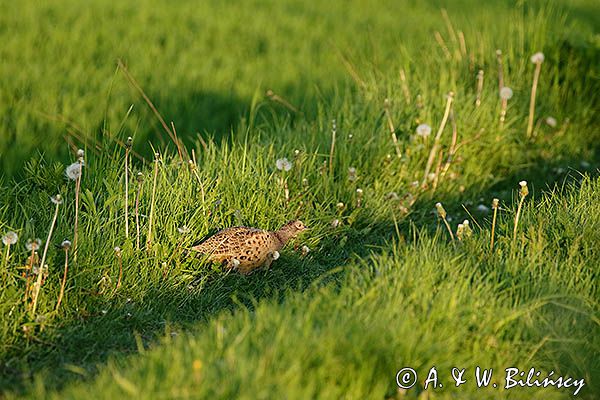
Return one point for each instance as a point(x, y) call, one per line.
point(466, 222)
point(276, 255)
point(73, 171)
point(283, 164)
point(506, 93)
point(482, 208)
point(523, 183)
point(80, 153)
point(551, 122)
point(66, 244)
point(129, 142)
point(235, 262)
point(335, 223)
point(33, 245)
point(117, 250)
point(183, 229)
point(56, 199)
point(423, 130)
point(305, 250)
point(10, 238)
point(495, 203)
point(359, 192)
point(305, 181)
point(140, 177)
point(340, 205)
point(296, 152)
point(537, 58)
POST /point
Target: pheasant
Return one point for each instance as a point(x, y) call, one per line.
point(246, 248)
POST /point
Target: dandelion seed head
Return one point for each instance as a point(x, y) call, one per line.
point(66, 244)
point(523, 183)
point(305, 181)
point(296, 152)
point(466, 222)
point(33, 245)
point(495, 203)
point(359, 192)
point(10, 238)
point(235, 262)
point(118, 250)
point(140, 177)
point(184, 229)
point(129, 142)
point(73, 171)
point(80, 153)
point(305, 250)
point(56, 199)
point(276, 255)
point(506, 93)
point(283, 164)
point(335, 223)
point(340, 205)
point(483, 208)
point(537, 58)
point(551, 122)
point(423, 130)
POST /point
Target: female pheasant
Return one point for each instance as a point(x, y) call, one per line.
point(248, 248)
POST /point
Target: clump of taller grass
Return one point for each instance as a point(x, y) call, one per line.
point(57, 200)
point(537, 59)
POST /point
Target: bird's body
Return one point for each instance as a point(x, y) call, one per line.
point(248, 248)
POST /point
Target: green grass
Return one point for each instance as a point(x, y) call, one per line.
point(385, 289)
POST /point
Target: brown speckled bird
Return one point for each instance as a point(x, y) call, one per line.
point(248, 248)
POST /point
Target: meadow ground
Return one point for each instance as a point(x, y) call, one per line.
point(385, 285)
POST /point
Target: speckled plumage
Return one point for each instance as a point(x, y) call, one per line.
point(248, 248)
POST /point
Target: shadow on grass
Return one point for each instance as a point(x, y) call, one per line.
point(71, 352)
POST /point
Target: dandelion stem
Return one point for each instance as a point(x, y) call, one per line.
point(405, 86)
point(120, 260)
point(137, 215)
point(76, 225)
point(495, 207)
point(127, 193)
point(479, 88)
point(503, 112)
point(38, 283)
point(536, 77)
point(149, 239)
point(517, 217)
point(331, 151)
point(436, 142)
point(386, 107)
point(500, 70)
point(64, 280)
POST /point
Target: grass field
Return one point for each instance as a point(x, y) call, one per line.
point(384, 286)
